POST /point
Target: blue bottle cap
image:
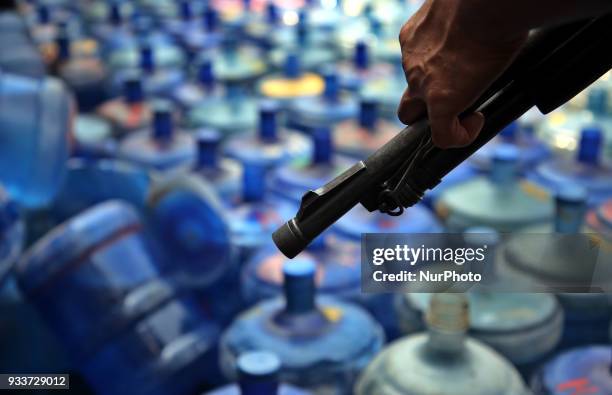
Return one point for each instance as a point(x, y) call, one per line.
point(332, 84)
point(185, 10)
point(253, 181)
point(302, 27)
point(589, 149)
point(208, 147)
point(163, 124)
point(292, 67)
point(206, 74)
point(63, 46)
point(299, 285)
point(323, 145)
point(505, 164)
point(362, 56)
point(44, 16)
point(571, 206)
point(210, 17)
point(258, 373)
point(147, 61)
point(114, 13)
point(272, 12)
point(268, 111)
point(132, 88)
point(511, 131)
point(597, 100)
point(368, 112)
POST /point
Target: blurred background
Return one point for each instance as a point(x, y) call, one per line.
point(149, 148)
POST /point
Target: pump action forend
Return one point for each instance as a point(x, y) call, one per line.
point(554, 66)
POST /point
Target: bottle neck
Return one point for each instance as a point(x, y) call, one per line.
point(323, 147)
point(368, 115)
point(447, 323)
point(258, 388)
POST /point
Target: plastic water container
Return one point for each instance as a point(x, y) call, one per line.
point(442, 361)
point(162, 147)
point(521, 135)
point(224, 174)
point(11, 234)
point(323, 344)
point(191, 94)
point(293, 181)
point(192, 231)
point(93, 137)
point(201, 34)
point(254, 216)
point(86, 76)
point(159, 78)
point(23, 58)
point(234, 112)
point(583, 370)
point(587, 316)
point(587, 169)
point(233, 63)
point(130, 111)
point(148, 55)
point(268, 144)
point(312, 57)
point(258, 374)
point(91, 182)
point(360, 72)
point(361, 137)
point(387, 91)
point(35, 116)
point(115, 320)
point(293, 83)
point(500, 200)
point(523, 327)
point(458, 176)
point(325, 110)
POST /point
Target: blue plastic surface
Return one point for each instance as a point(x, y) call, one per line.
point(34, 145)
point(93, 137)
point(11, 235)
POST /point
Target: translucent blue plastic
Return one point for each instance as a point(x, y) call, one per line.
point(117, 320)
point(500, 200)
point(93, 137)
point(35, 118)
point(268, 144)
point(459, 175)
point(442, 361)
point(224, 174)
point(361, 73)
point(587, 170)
point(531, 150)
point(325, 110)
point(322, 345)
point(160, 148)
point(191, 94)
point(235, 64)
point(587, 316)
point(23, 58)
point(11, 235)
point(580, 371)
point(192, 232)
point(90, 182)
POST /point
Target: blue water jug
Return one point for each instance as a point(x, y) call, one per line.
point(293, 181)
point(130, 111)
point(268, 144)
point(192, 232)
point(499, 200)
point(202, 34)
point(387, 90)
point(203, 88)
point(323, 344)
point(587, 316)
point(361, 137)
point(443, 360)
point(360, 72)
point(525, 328)
point(11, 234)
point(124, 322)
point(162, 147)
point(258, 374)
point(238, 64)
point(23, 58)
point(325, 110)
point(35, 116)
point(587, 169)
point(583, 370)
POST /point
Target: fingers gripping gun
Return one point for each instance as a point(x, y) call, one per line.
point(555, 65)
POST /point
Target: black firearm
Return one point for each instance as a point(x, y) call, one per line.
point(555, 65)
